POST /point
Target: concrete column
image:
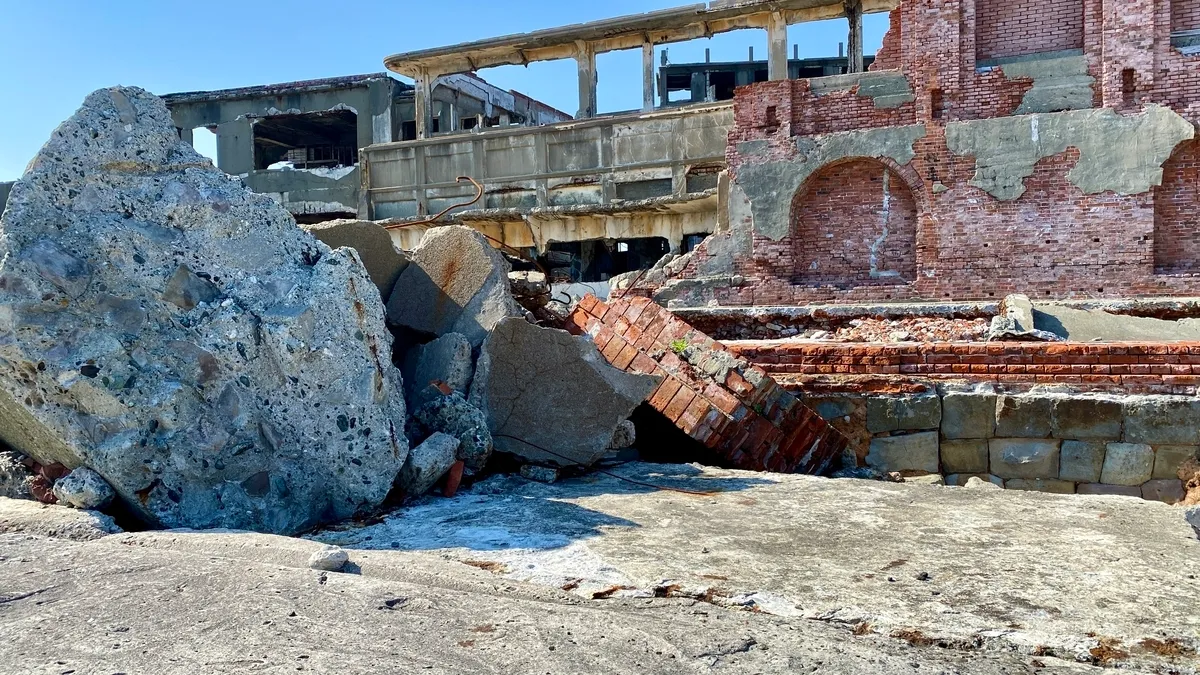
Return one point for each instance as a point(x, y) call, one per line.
point(647, 77)
point(186, 136)
point(777, 42)
point(854, 14)
point(586, 58)
point(423, 108)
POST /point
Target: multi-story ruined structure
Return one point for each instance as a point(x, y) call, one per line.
point(300, 141)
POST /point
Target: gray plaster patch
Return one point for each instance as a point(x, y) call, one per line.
point(887, 89)
point(771, 186)
point(1122, 154)
point(1058, 84)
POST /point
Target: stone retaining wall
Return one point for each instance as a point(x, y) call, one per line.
point(1065, 443)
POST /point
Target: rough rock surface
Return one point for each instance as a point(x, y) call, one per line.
point(329, 559)
point(374, 245)
point(408, 611)
point(549, 396)
point(15, 477)
point(84, 489)
point(427, 463)
point(21, 516)
point(447, 359)
point(624, 436)
point(457, 283)
point(1192, 516)
point(974, 570)
point(177, 333)
point(454, 416)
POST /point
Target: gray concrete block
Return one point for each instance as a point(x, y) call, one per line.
point(904, 413)
point(1023, 458)
point(1085, 418)
point(965, 456)
point(913, 452)
point(1060, 487)
point(1163, 421)
point(1109, 490)
point(1023, 417)
point(1167, 491)
point(1169, 458)
point(1127, 464)
point(966, 415)
point(1082, 461)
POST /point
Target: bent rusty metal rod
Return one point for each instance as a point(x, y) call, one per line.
point(478, 195)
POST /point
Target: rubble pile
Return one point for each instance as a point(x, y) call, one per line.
point(179, 335)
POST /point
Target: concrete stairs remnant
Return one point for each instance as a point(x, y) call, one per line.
point(727, 404)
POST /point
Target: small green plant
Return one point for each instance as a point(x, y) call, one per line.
point(679, 346)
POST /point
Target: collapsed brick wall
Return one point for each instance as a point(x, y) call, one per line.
point(731, 407)
point(1146, 368)
point(855, 223)
point(1176, 216)
point(1006, 28)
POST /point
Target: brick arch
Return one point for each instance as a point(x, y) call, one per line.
point(1177, 213)
point(854, 223)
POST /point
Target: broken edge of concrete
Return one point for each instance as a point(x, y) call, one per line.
point(725, 403)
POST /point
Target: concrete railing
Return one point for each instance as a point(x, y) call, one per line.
point(598, 161)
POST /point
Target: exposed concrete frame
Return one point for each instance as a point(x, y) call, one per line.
point(583, 42)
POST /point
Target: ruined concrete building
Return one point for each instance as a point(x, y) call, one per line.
point(300, 141)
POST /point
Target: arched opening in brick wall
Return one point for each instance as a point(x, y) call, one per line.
point(1007, 28)
point(1177, 213)
point(854, 223)
point(1185, 15)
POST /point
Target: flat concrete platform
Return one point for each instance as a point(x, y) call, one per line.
point(760, 573)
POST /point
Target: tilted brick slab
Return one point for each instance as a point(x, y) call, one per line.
point(722, 401)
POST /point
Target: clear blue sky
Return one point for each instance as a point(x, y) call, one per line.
point(57, 51)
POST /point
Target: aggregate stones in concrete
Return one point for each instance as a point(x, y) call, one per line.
point(83, 489)
point(180, 335)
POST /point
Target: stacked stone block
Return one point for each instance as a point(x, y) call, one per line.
point(1133, 446)
point(723, 402)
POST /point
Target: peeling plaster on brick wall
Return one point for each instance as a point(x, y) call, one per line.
point(1176, 216)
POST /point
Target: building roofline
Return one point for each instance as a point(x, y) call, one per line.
point(283, 88)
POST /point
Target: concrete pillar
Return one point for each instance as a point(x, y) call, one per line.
point(424, 105)
point(647, 77)
point(777, 42)
point(854, 14)
point(186, 136)
point(585, 56)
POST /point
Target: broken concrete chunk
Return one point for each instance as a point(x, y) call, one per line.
point(447, 360)
point(1128, 464)
point(457, 283)
point(84, 489)
point(1015, 323)
point(624, 436)
point(373, 244)
point(454, 416)
point(329, 559)
point(427, 463)
point(530, 289)
point(179, 335)
point(550, 397)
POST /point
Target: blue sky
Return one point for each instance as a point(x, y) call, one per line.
point(57, 51)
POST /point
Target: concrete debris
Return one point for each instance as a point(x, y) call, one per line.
point(541, 474)
point(21, 516)
point(178, 334)
point(530, 289)
point(977, 483)
point(384, 262)
point(624, 436)
point(454, 416)
point(427, 463)
point(1016, 323)
point(329, 559)
point(15, 475)
point(550, 397)
point(84, 489)
point(457, 283)
point(445, 361)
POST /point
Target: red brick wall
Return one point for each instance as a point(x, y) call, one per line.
point(854, 223)
point(888, 56)
point(1158, 368)
point(1177, 213)
point(1185, 15)
point(1006, 28)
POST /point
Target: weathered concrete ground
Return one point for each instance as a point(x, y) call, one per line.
point(845, 577)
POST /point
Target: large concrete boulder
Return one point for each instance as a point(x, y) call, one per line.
point(384, 262)
point(178, 334)
point(457, 283)
point(549, 396)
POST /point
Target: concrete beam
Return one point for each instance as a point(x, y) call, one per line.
point(854, 14)
point(777, 39)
